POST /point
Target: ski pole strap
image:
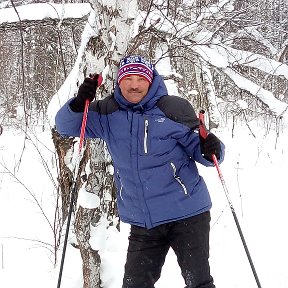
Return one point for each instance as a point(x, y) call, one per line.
point(202, 129)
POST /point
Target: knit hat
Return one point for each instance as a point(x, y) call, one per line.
point(135, 65)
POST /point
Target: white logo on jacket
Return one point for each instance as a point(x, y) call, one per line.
point(160, 120)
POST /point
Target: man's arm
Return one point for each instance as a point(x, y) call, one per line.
point(69, 118)
point(68, 122)
point(180, 110)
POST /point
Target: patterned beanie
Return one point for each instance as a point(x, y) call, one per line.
point(135, 65)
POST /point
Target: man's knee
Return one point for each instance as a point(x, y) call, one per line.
point(206, 284)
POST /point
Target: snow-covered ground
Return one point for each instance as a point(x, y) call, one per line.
point(254, 170)
point(255, 175)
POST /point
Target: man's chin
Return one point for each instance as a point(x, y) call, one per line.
point(134, 101)
point(135, 98)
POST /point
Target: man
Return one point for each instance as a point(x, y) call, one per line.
point(154, 143)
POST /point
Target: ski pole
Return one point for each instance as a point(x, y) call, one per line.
point(74, 184)
point(204, 133)
point(73, 191)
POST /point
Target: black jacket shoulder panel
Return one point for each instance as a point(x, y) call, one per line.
point(179, 110)
point(105, 106)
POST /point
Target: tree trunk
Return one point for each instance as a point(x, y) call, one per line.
point(113, 21)
point(91, 259)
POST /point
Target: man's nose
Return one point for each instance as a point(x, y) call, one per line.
point(134, 83)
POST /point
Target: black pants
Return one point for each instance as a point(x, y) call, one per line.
point(189, 238)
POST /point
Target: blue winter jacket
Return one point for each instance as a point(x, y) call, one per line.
point(154, 145)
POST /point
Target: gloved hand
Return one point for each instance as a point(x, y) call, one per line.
point(87, 91)
point(209, 146)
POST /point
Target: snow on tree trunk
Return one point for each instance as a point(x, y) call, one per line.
point(207, 90)
point(214, 115)
point(65, 149)
point(99, 183)
point(90, 258)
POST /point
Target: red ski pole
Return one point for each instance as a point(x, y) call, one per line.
point(204, 133)
point(99, 79)
point(76, 172)
point(83, 126)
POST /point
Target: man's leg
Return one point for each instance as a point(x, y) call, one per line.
point(145, 257)
point(190, 241)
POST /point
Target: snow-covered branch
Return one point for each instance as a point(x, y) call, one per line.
point(227, 57)
point(39, 11)
point(240, 57)
point(214, 9)
point(267, 97)
point(253, 33)
point(67, 90)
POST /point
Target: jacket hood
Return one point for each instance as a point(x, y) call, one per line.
point(155, 92)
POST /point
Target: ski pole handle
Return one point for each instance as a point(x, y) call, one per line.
point(97, 77)
point(202, 129)
point(204, 133)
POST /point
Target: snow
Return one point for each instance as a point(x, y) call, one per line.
point(39, 11)
point(254, 170)
point(255, 174)
point(211, 55)
point(87, 200)
point(242, 104)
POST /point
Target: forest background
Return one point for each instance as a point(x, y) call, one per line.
point(226, 57)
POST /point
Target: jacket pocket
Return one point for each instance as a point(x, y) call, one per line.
point(178, 179)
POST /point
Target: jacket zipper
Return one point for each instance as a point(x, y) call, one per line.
point(145, 136)
point(178, 179)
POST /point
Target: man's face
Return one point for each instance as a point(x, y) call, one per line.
point(134, 88)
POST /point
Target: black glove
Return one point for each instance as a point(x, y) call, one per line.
point(209, 146)
point(87, 91)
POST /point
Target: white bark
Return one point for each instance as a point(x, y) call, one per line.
point(115, 21)
point(214, 115)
